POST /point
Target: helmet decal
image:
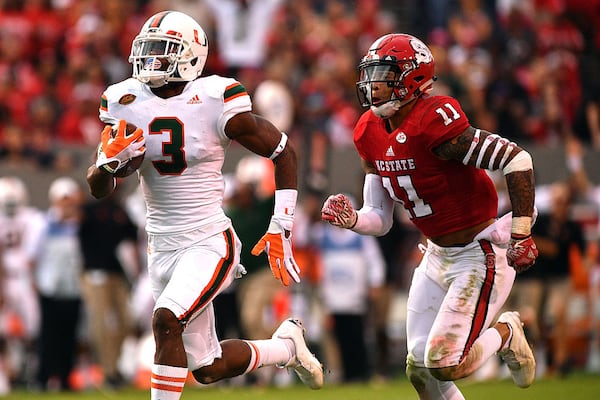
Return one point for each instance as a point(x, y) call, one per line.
point(204, 41)
point(422, 52)
point(174, 33)
point(157, 19)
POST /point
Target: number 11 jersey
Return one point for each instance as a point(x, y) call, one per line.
point(440, 196)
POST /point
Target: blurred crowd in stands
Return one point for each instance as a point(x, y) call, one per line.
point(524, 68)
point(527, 69)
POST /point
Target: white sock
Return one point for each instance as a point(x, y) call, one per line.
point(484, 347)
point(490, 340)
point(270, 352)
point(167, 382)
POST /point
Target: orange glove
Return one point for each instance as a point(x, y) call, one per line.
point(277, 244)
point(120, 148)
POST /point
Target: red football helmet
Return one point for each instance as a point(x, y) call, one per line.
point(397, 69)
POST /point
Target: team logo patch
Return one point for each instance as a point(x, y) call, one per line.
point(127, 99)
point(401, 137)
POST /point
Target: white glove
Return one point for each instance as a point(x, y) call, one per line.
point(277, 244)
point(120, 148)
point(239, 271)
point(338, 211)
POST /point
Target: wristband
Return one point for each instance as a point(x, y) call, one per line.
point(521, 226)
point(280, 146)
point(521, 162)
point(285, 201)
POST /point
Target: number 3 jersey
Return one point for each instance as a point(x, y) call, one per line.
point(181, 174)
point(440, 196)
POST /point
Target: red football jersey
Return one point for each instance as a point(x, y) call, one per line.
point(441, 196)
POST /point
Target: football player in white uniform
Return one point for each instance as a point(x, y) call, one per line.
point(21, 226)
point(184, 125)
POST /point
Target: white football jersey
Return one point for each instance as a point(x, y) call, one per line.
point(19, 237)
point(181, 174)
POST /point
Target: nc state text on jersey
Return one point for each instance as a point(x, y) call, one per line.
point(395, 165)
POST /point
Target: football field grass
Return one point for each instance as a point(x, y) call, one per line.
point(575, 387)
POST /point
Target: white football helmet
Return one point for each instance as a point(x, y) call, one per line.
point(171, 47)
point(13, 195)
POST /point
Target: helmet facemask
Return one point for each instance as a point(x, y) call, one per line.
point(156, 58)
point(391, 93)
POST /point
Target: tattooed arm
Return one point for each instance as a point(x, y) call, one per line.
point(482, 149)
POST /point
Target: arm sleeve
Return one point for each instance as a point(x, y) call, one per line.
point(376, 215)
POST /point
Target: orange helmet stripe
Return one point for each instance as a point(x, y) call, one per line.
point(158, 19)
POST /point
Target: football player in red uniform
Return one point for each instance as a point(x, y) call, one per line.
point(421, 151)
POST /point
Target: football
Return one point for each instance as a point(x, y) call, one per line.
point(129, 167)
point(133, 164)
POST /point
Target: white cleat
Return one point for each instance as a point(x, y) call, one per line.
point(304, 363)
point(518, 355)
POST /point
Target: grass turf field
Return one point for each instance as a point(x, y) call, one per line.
point(575, 387)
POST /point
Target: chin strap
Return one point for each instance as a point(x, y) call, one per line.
point(389, 108)
point(386, 110)
point(155, 83)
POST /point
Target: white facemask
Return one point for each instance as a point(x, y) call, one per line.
point(386, 110)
